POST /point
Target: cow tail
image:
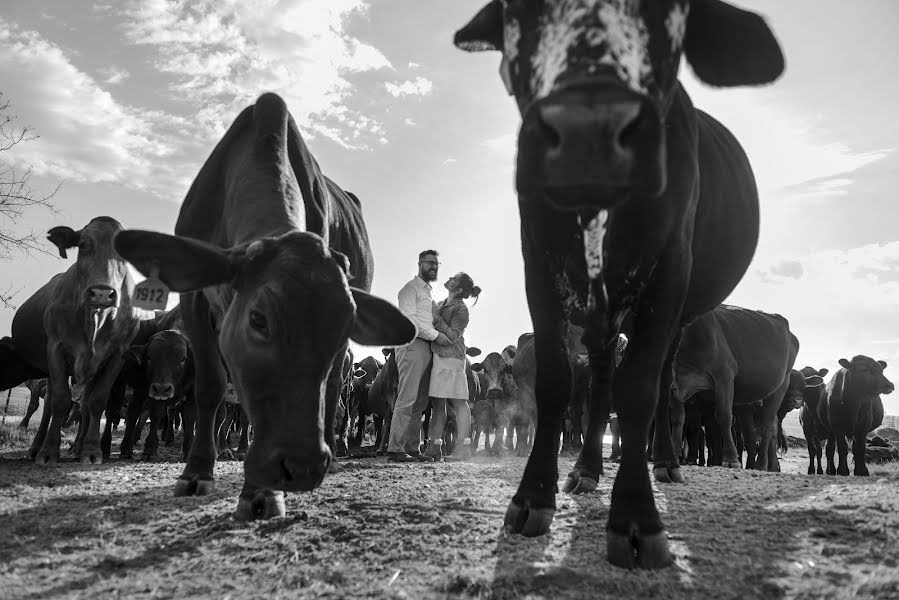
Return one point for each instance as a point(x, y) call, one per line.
point(781, 438)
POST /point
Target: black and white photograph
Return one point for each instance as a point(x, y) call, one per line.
point(449, 299)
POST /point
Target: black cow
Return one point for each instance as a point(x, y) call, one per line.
point(38, 390)
point(273, 261)
point(632, 204)
point(165, 366)
point(811, 425)
point(744, 356)
point(851, 407)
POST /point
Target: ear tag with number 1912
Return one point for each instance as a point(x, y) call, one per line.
point(151, 293)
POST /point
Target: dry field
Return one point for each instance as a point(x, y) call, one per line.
point(379, 530)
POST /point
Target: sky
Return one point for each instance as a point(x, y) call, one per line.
point(129, 98)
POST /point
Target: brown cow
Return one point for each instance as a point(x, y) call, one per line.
point(272, 260)
point(79, 324)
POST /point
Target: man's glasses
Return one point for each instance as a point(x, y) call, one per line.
point(436, 263)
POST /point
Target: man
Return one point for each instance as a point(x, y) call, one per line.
point(413, 360)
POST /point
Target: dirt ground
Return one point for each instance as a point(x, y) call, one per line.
point(379, 530)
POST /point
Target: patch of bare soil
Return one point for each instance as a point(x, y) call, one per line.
point(380, 530)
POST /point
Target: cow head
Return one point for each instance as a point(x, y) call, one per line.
point(167, 362)
point(796, 390)
point(496, 369)
point(865, 375)
point(594, 79)
point(100, 272)
point(291, 314)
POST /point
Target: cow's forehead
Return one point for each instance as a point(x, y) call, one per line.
point(593, 34)
point(493, 360)
point(865, 361)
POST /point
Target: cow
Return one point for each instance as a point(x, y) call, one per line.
point(500, 389)
point(634, 206)
point(231, 415)
point(77, 325)
point(808, 418)
point(273, 264)
point(165, 369)
point(349, 373)
point(483, 414)
point(382, 397)
point(37, 389)
point(745, 357)
point(360, 405)
point(851, 407)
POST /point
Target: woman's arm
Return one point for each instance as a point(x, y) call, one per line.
point(458, 323)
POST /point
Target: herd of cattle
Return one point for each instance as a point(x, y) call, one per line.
point(639, 216)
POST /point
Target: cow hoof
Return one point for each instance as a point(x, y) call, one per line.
point(820, 471)
point(226, 455)
point(149, 458)
point(861, 472)
point(240, 456)
point(668, 474)
point(728, 464)
point(843, 472)
point(263, 504)
point(580, 481)
point(333, 468)
point(811, 470)
point(638, 551)
point(91, 459)
point(193, 487)
point(528, 521)
point(45, 460)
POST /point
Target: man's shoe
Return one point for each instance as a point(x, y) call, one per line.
point(401, 457)
point(420, 457)
point(435, 453)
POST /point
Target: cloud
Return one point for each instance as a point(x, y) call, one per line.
point(85, 134)
point(420, 87)
point(787, 145)
point(223, 53)
point(113, 75)
point(449, 161)
point(785, 269)
point(413, 65)
point(503, 145)
point(408, 121)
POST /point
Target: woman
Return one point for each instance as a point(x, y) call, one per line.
point(448, 380)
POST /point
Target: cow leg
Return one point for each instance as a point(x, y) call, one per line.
point(588, 467)
point(859, 443)
point(94, 401)
point(209, 392)
point(244, 441)
point(768, 428)
point(379, 430)
point(113, 415)
point(810, 443)
point(666, 464)
point(332, 395)
point(132, 434)
point(677, 418)
point(33, 403)
point(615, 430)
point(151, 446)
point(829, 450)
point(188, 421)
point(746, 425)
point(724, 415)
point(223, 417)
point(843, 451)
point(818, 452)
point(45, 447)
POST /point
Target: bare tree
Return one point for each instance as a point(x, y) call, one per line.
point(17, 195)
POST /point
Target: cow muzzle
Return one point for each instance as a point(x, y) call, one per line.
point(101, 296)
point(161, 391)
point(286, 470)
point(591, 147)
point(494, 394)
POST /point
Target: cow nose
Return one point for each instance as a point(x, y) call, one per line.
point(101, 295)
point(162, 391)
point(303, 474)
point(593, 139)
point(494, 394)
point(888, 388)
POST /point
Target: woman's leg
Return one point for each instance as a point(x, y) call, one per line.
point(463, 449)
point(435, 429)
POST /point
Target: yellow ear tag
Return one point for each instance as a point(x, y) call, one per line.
point(151, 293)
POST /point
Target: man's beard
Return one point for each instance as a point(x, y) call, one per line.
point(427, 276)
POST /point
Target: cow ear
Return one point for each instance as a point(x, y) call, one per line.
point(386, 351)
point(63, 238)
point(379, 323)
point(882, 363)
point(359, 372)
point(823, 372)
point(844, 363)
point(484, 31)
point(135, 355)
point(511, 351)
point(727, 46)
point(473, 352)
point(184, 264)
point(814, 381)
point(477, 367)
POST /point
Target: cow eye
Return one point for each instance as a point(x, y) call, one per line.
point(258, 321)
point(84, 246)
